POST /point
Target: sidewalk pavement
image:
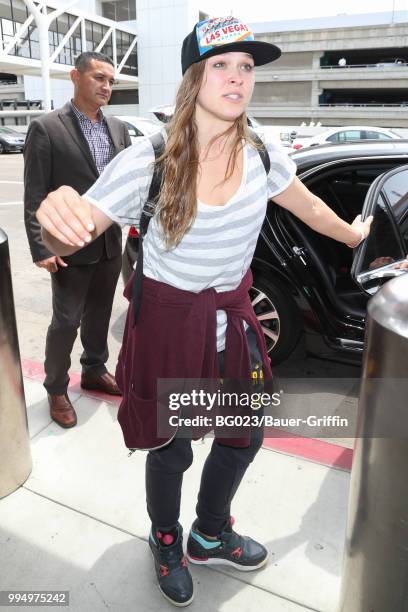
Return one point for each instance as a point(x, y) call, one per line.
point(79, 522)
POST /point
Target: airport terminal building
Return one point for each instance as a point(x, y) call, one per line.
point(348, 69)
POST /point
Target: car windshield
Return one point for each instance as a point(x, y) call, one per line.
point(5, 130)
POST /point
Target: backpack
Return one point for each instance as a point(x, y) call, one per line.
point(149, 208)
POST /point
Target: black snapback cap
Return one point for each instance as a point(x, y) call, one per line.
point(223, 34)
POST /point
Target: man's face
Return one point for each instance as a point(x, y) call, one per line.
point(94, 85)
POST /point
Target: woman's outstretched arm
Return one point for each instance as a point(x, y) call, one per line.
point(316, 214)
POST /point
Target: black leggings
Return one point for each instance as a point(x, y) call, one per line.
point(223, 471)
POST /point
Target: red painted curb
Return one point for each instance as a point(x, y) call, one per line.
point(325, 453)
point(35, 371)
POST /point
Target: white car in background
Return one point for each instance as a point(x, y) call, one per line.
point(139, 126)
point(350, 133)
point(165, 112)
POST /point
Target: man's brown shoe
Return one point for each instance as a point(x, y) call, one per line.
point(62, 411)
point(104, 382)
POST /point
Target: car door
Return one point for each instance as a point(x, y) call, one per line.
point(383, 254)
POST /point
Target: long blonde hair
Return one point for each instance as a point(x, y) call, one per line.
point(177, 201)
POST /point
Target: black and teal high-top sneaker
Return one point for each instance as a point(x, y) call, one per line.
point(172, 572)
point(229, 548)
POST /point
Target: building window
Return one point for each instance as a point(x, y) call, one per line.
point(119, 10)
point(125, 96)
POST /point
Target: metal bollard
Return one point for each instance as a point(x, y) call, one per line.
point(375, 573)
point(15, 454)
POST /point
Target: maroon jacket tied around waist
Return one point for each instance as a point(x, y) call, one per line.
point(176, 338)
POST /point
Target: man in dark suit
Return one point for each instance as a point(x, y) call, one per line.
point(71, 146)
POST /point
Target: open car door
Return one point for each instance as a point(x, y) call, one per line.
point(383, 254)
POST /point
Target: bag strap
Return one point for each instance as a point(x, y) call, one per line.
point(148, 211)
point(158, 143)
point(262, 150)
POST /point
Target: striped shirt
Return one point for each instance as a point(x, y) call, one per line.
point(97, 136)
point(218, 248)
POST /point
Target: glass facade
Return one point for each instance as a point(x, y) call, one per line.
point(13, 13)
point(119, 10)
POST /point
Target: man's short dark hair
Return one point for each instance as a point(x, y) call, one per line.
point(83, 61)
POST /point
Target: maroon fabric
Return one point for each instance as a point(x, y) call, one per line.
point(175, 337)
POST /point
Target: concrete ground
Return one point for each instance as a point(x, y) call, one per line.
point(79, 522)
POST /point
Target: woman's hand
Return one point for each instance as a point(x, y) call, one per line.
point(363, 229)
point(67, 217)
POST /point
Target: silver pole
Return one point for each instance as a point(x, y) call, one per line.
point(15, 454)
point(376, 555)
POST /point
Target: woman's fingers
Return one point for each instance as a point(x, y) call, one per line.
point(67, 216)
point(67, 219)
point(47, 224)
point(364, 226)
point(81, 209)
point(367, 225)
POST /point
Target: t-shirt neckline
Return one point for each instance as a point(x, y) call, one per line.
point(202, 204)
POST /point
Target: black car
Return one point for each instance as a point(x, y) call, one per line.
point(11, 140)
point(304, 283)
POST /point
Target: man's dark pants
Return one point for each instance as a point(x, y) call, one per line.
point(82, 296)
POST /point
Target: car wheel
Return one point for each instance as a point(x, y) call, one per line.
point(2, 149)
point(279, 317)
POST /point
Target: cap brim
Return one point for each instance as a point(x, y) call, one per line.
point(262, 52)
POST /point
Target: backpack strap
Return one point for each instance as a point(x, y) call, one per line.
point(262, 150)
point(158, 143)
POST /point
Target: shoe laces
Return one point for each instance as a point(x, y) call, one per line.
point(171, 556)
point(237, 552)
point(164, 570)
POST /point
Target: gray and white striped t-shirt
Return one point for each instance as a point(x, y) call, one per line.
point(218, 249)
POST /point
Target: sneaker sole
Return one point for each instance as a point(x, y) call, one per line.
point(175, 603)
point(216, 561)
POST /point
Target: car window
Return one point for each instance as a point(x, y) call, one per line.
point(333, 138)
point(5, 130)
point(348, 135)
point(133, 131)
point(382, 246)
point(376, 135)
point(396, 194)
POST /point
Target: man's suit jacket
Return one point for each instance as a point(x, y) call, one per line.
point(57, 153)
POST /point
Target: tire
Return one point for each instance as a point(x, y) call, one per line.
point(2, 149)
point(279, 317)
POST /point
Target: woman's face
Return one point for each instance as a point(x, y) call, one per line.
point(227, 86)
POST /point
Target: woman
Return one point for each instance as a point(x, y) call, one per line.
point(197, 254)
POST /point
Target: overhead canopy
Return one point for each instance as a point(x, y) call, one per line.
point(69, 34)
